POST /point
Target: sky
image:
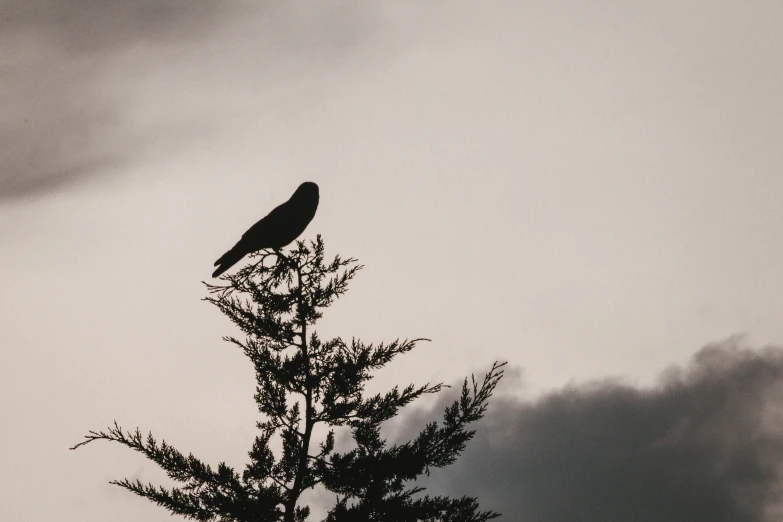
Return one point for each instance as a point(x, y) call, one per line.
point(589, 191)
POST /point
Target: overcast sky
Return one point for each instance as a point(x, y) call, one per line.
point(587, 190)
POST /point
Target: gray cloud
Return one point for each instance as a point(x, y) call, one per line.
point(704, 445)
point(56, 125)
point(66, 69)
point(84, 26)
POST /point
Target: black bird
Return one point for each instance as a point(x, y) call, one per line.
point(276, 229)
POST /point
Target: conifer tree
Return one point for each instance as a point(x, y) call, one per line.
point(303, 381)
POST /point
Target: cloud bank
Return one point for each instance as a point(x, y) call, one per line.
point(57, 125)
point(75, 71)
point(706, 445)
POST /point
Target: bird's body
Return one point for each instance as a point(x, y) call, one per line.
point(277, 229)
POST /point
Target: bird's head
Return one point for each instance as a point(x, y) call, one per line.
point(307, 191)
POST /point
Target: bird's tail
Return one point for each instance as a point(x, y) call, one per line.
point(227, 260)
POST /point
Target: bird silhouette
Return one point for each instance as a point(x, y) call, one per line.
point(277, 229)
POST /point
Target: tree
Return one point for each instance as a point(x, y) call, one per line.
point(303, 381)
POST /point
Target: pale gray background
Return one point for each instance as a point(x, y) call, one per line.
point(584, 189)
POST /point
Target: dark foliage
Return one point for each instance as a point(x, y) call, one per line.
point(302, 381)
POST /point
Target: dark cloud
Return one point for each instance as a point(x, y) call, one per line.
point(56, 125)
point(98, 26)
point(58, 120)
point(706, 445)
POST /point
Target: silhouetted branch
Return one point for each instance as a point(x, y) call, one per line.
point(302, 380)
